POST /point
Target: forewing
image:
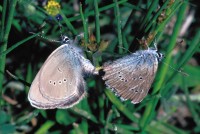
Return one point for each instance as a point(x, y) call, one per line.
point(131, 77)
point(61, 75)
point(59, 83)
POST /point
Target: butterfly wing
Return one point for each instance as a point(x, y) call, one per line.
point(36, 99)
point(87, 66)
point(59, 83)
point(131, 77)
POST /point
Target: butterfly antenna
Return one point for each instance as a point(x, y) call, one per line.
point(18, 79)
point(60, 28)
point(43, 37)
point(125, 49)
point(42, 32)
point(178, 70)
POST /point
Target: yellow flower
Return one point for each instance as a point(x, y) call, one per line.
point(52, 7)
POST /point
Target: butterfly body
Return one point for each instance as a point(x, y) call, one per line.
point(131, 77)
point(60, 83)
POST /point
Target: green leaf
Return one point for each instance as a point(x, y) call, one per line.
point(4, 117)
point(7, 129)
point(63, 117)
point(45, 127)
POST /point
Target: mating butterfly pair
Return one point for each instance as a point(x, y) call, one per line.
point(60, 83)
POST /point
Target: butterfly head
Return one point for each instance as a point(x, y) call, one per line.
point(160, 56)
point(66, 40)
point(155, 51)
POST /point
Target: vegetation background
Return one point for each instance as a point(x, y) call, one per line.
point(110, 28)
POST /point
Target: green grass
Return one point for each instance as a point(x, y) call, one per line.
point(171, 99)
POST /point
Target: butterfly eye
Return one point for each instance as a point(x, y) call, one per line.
point(160, 56)
point(65, 40)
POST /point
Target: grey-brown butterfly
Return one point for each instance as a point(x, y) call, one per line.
point(60, 83)
point(130, 77)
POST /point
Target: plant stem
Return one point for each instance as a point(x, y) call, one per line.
point(97, 25)
point(119, 26)
point(150, 109)
point(5, 34)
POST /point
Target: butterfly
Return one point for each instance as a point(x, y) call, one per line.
point(60, 81)
point(131, 77)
